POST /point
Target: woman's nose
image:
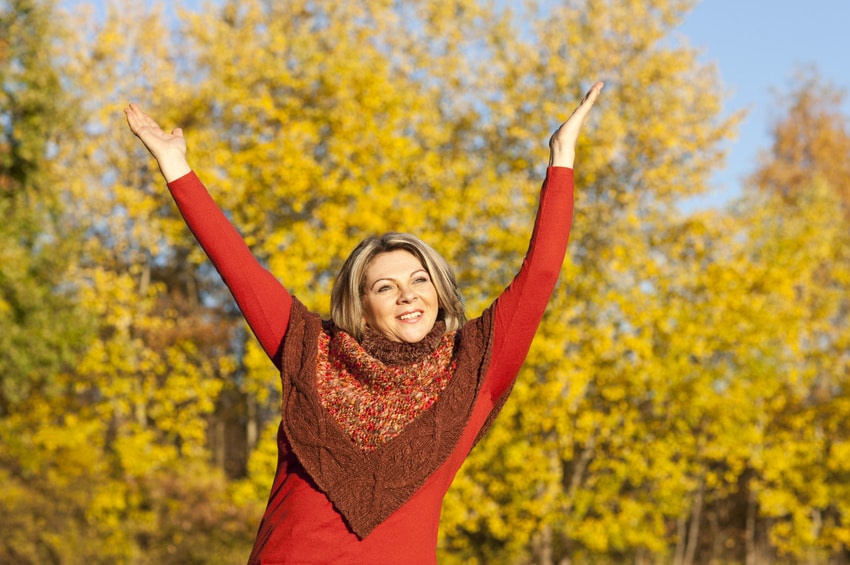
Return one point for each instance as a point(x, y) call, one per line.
point(406, 295)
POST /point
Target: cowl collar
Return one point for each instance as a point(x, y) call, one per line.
point(400, 353)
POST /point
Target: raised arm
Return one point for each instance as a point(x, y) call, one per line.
point(264, 302)
point(520, 307)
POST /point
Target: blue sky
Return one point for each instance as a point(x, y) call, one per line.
point(757, 45)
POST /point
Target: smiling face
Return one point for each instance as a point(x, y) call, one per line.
point(399, 299)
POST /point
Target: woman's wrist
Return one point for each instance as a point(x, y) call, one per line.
point(173, 167)
point(562, 158)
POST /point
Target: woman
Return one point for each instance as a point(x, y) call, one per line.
point(382, 404)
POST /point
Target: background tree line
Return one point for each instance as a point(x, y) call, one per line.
point(686, 400)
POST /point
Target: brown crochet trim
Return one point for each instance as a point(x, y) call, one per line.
point(366, 487)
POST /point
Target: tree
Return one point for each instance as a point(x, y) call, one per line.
point(42, 327)
point(430, 118)
point(811, 141)
point(801, 235)
point(165, 350)
point(564, 474)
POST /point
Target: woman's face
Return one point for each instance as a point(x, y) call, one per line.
point(399, 299)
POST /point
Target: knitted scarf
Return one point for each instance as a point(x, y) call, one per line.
point(369, 474)
point(375, 389)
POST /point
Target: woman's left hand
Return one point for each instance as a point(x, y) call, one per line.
point(562, 144)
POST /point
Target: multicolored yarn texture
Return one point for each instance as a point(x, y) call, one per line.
point(376, 389)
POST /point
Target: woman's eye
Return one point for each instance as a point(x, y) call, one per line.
point(385, 288)
point(420, 280)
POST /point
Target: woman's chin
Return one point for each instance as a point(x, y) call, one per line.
point(413, 334)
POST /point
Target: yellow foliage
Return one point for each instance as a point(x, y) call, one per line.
point(685, 362)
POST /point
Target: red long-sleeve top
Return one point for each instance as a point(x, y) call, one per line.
point(300, 524)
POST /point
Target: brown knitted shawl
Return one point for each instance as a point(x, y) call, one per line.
point(367, 486)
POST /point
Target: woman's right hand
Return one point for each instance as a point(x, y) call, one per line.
point(169, 149)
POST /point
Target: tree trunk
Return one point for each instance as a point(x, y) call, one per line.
point(751, 558)
point(251, 428)
point(681, 531)
point(693, 531)
point(542, 546)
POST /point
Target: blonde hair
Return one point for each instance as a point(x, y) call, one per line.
point(346, 301)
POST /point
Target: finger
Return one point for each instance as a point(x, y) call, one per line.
point(133, 113)
point(593, 93)
point(590, 98)
point(140, 123)
point(581, 113)
point(139, 115)
point(132, 118)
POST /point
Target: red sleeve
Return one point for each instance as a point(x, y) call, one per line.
point(520, 307)
point(263, 300)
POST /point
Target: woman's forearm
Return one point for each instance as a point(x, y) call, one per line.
point(264, 301)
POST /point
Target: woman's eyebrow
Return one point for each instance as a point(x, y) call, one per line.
point(392, 279)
